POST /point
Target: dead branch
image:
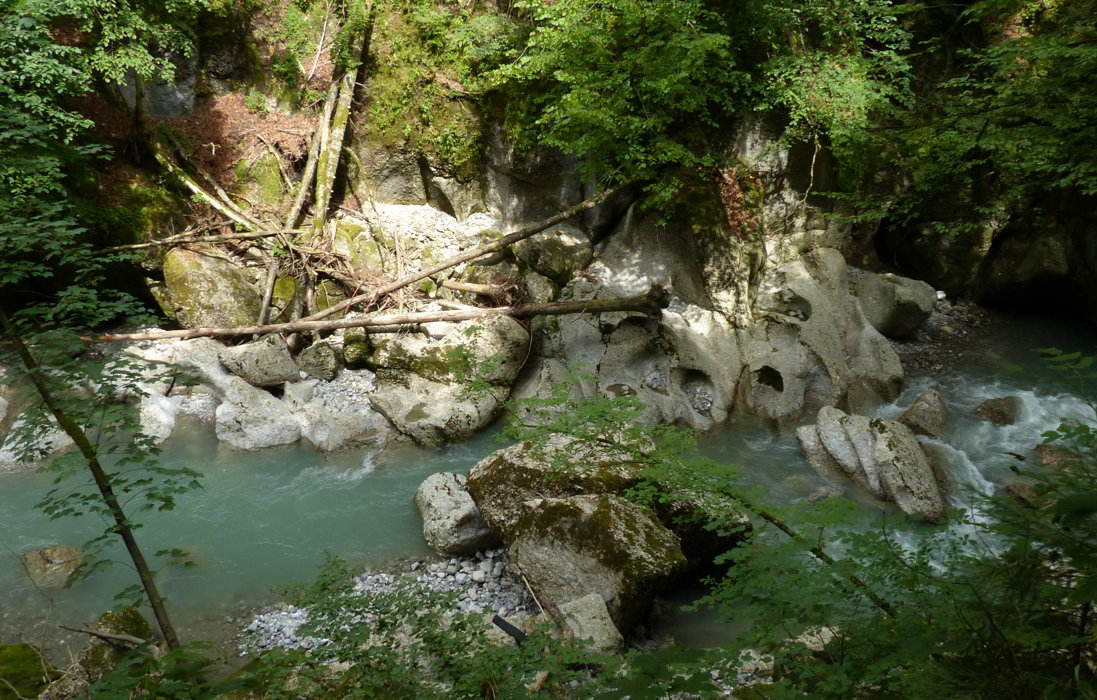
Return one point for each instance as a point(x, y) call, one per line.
point(650, 303)
point(183, 239)
point(268, 292)
point(318, 135)
point(319, 49)
point(282, 167)
point(209, 178)
point(332, 146)
point(502, 243)
point(195, 188)
point(111, 637)
point(489, 290)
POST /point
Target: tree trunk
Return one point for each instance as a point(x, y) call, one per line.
point(102, 481)
point(650, 303)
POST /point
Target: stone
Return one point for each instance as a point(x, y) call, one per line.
point(927, 415)
point(202, 290)
point(570, 547)
point(320, 361)
point(255, 421)
point(896, 306)
point(881, 456)
point(51, 567)
point(1005, 410)
point(435, 413)
point(452, 524)
point(557, 253)
point(1023, 491)
point(264, 362)
point(394, 175)
point(589, 622)
point(505, 480)
point(1054, 456)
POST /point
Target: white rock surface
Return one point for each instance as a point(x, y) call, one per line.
point(452, 524)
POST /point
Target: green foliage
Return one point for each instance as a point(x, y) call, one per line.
point(180, 674)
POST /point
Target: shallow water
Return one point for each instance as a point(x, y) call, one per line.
point(264, 520)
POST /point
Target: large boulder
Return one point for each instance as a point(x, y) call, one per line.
point(1005, 410)
point(452, 524)
point(881, 456)
point(504, 481)
point(203, 290)
point(896, 306)
point(264, 362)
point(51, 567)
point(927, 415)
point(435, 413)
point(570, 547)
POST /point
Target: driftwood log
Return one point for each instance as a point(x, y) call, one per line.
point(650, 303)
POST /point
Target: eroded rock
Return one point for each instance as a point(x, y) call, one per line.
point(881, 456)
point(589, 621)
point(896, 306)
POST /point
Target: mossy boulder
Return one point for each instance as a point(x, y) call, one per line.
point(264, 362)
point(505, 480)
point(557, 254)
point(25, 671)
point(97, 656)
point(570, 547)
point(263, 177)
point(202, 290)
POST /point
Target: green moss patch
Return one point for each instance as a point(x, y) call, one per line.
point(23, 667)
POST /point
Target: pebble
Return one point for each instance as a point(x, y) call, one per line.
point(483, 584)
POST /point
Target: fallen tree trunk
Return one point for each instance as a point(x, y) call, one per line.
point(490, 290)
point(650, 303)
point(314, 150)
point(189, 182)
point(505, 241)
point(176, 240)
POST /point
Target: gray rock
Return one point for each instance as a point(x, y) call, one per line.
point(927, 415)
point(320, 361)
point(255, 421)
point(452, 524)
point(896, 306)
point(394, 176)
point(881, 456)
point(44, 444)
point(1005, 410)
point(51, 567)
point(905, 472)
point(264, 362)
point(505, 480)
point(589, 621)
point(570, 547)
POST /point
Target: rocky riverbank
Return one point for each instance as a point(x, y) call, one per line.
point(482, 583)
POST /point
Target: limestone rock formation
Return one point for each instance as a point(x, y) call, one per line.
point(264, 362)
point(880, 456)
point(51, 567)
point(557, 253)
point(1005, 410)
point(504, 481)
point(896, 306)
point(927, 415)
point(452, 524)
point(570, 547)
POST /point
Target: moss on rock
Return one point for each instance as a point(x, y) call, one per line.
point(202, 290)
point(24, 669)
